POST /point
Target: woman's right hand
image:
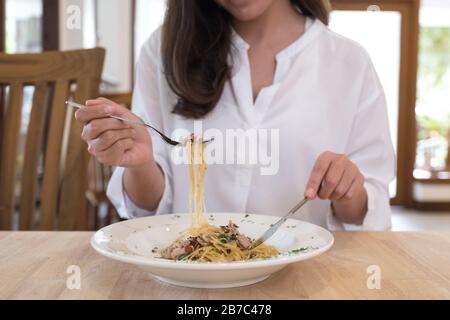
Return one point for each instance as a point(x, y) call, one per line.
point(114, 142)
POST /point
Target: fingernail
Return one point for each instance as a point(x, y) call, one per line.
point(310, 193)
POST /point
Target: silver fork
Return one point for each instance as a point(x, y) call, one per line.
point(273, 228)
point(163, 136)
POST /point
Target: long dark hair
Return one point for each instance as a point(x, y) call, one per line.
point(196, 42)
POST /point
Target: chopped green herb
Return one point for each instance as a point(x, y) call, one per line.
point(298, 250)
point(247, 215)
point(223, 238)
point(183, 256)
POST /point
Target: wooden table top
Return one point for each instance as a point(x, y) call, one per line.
point(33, 265)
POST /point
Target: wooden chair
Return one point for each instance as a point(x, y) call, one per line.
point(54, 175)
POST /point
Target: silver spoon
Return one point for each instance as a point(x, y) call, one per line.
point(273, 228)
point(163, 136)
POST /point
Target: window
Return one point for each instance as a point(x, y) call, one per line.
point(433, 94)
point(23, 29)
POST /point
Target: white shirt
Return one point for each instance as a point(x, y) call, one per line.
point(326, 96)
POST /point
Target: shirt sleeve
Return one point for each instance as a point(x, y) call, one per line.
point(146, 105)
point(370, 148)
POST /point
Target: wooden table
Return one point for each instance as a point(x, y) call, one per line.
point(413, 266)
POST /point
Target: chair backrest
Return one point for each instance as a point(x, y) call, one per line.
point(53, 178)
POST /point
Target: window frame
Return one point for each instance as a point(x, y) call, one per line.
point(50, 25)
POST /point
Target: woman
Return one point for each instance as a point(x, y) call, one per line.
point(253, 65)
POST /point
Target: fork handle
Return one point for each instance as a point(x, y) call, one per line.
point(163, 136)
point(298, 206)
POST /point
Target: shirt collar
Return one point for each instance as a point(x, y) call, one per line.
point(313, 28)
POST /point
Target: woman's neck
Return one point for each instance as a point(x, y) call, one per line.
point(280, 21)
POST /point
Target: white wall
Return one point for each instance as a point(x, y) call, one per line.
point(435, 3)
point(69, 38)
point(114, 34)
point(149, 16)
point(435, 13)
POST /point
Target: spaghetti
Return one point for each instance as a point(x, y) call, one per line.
point(204, 242)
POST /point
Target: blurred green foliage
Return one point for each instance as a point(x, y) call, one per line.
point(428, 124)
point(434, 74)
point(434, 57)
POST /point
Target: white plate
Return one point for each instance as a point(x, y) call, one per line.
point(133, 241)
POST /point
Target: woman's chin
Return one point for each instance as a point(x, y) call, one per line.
point(245, 15)
point(244, 10)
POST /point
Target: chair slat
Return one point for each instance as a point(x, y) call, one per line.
point(73, 204)
point(49, 196)
point(33, 149)
point(30, 68)
point(9, 156)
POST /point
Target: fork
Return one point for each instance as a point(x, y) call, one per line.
point(162, 135)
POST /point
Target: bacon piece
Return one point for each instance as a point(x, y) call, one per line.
point(233, 228)
point(244, 241)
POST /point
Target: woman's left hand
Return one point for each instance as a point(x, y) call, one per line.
point(337, 178)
